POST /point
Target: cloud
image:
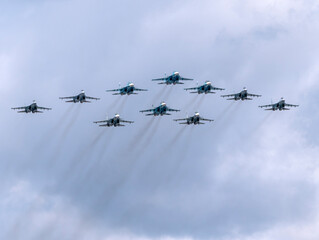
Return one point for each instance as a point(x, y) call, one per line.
point(249, 175)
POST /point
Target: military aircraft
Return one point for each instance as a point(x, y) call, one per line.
point(196, 119)
point(281, 105)
point(81, 97)
point(243, 95)
point(34, 108)
point(114, 121)
point(206, 88)
point(175, 78)
point(127, 90)
point(162, 109)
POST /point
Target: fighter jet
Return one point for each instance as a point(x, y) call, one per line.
point(175, 78)
point(206, 88)
point(34, 108)
point(196, 119)
point(79, 98)
point(243, 95)
point(115, 121)
point(162, 109)
point(127, 90)
point(281, 105)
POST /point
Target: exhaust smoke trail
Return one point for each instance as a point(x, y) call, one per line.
point(198, 103)
point(178, 162)
point(61, 140)
point(127, 164)
point(168, 93)
point(159, 95)
point(77, 161)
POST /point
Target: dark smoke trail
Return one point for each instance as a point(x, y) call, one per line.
point(137, 138)
point(167, 148)
point(159, 95)
point(168, 93)
point(61, 140)
point(121, 106)
point(191, 102)
point(199, 103)
point(259, 125)
point(177, 164)
point(225, 111)
point(78, 160)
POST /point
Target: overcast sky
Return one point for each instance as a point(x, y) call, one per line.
point(249, 175)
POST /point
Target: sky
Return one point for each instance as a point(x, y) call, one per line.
point(249, 175)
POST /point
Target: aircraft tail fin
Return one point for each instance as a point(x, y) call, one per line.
point(149, 114)
point(22, 111)
point(86, 101)
point(194, 92)
point(38, 111)
point(69, 101)
point(286, 108)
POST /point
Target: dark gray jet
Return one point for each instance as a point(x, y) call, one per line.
point(162, 109)
point(196, 119)
point(206, 88)
point(243, 95)
point(281, 105)
point(127, 90)
point(34, 108)
point(175, 78)
point(79, 98)
point(115, 121)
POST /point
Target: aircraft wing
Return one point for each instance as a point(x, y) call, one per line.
point(114, 90)
point(104, 125)
point(180, 119)
point(205, 119)
point(67, 97)
point(291, 105)
point(265, 106)
point(186, 79)
point(172, 110)
point(100, 121)
point(147, 110)
point(44, 108)
point(253, 95)
point(192, 88)
point(216, 88)
point(139, 89)
point(16, 108)
point(87, 97)
point(159, 79)
point(121, 120)
point(229, 95)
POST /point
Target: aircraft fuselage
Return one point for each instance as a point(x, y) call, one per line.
point(79, 98)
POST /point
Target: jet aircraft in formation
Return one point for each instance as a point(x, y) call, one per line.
point(81, 97)
point(162, 109)
point(205, 88)
point(243, 95)
point(114, 121)
point(127, 90)
point(281, 105)
point(196, 119)
point(33, 107)
point(175, 78)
